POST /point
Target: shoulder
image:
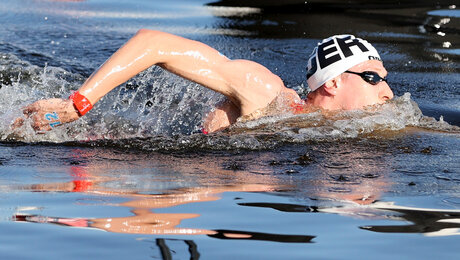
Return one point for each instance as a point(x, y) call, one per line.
point(252, 85)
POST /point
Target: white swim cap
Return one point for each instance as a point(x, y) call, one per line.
point(335, 55)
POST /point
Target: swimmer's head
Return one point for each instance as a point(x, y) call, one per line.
point(346, 73)
point(335, 55)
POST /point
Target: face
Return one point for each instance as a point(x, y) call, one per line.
point(355, 93)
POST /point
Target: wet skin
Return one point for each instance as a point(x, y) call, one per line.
point(349, 91)
point(247, 85)
point(355, 93)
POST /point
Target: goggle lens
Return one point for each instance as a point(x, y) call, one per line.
point(370, 77)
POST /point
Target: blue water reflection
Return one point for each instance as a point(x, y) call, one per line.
point(170, 193)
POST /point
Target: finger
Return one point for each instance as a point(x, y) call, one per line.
point(30, 109)
point(17, 123)
point(38, 124)
point(41, 129)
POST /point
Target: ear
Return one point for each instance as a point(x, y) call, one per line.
point(331, 86)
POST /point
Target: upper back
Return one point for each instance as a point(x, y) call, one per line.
point(251, 85)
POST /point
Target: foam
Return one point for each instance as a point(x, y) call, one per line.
point(139, 115)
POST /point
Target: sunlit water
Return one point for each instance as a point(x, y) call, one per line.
point(379, 182)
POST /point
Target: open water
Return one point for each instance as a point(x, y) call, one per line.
point(135, 178)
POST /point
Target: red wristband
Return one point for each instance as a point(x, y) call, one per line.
point(81, 103)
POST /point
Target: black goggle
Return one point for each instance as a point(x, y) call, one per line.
point(370, 77)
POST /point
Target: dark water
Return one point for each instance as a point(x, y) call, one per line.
point(378, 183)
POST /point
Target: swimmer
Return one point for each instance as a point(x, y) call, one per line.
point(343, 73)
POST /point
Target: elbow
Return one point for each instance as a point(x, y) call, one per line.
point(150, 37)
point(147, 34)
point(149, 40)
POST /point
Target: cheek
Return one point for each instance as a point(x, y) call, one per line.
point(358, 94)
point(370, 96)
point(361, 96)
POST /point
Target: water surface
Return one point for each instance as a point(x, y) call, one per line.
point(135, 178)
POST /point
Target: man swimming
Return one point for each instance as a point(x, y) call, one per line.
point(343, 72)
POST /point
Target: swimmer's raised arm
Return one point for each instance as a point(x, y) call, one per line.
point(238, 80)
point(247, 84)
point(187, 58)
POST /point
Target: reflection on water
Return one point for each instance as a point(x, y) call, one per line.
point(145, 221)
point(276, 187)
point(343, 177)
point(426, 221)
point(295, 196)
point(430, 222)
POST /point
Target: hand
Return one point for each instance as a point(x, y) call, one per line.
point(49, 113)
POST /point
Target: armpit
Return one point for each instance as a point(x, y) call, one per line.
point(286, 102)
point(225, 114)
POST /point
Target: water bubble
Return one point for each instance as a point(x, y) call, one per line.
point(446, 44)
point(145, 117)
point(444, 20)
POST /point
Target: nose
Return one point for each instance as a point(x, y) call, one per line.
point(385, 92)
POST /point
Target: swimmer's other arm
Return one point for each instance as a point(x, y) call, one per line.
point(243, 82)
